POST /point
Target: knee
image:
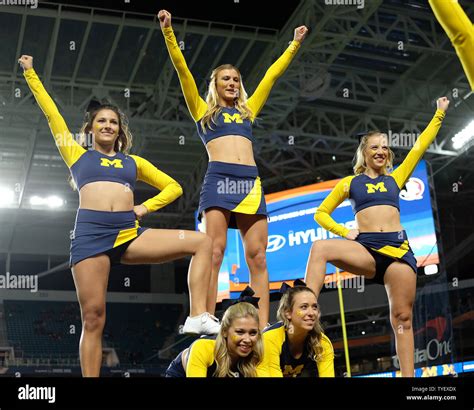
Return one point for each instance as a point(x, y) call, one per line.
point(256, 256)
point(318, 249)
point(93, 318)
point(218, 250)
point(205, 243)
point(402, 319)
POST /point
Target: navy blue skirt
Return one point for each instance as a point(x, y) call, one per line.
point(97, 232)
point(387, 247)
point(234, 187)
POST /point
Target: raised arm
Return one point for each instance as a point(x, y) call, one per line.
point(170, 189)
point(404, 171)
point(196, 105)
point(70, 150)
point(460, 31)
point(323, 214)
point(259, 97)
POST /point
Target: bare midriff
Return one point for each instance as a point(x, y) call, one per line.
point(106, 196)
point(233, 149)
point(379, 218)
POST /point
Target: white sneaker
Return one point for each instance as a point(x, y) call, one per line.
point(203, 324)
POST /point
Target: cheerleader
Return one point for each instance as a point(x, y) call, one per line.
point(107, 229)
point(379, 248)
point(224, 123)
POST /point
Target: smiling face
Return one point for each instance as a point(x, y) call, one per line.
point(227, 85)
point(106, 127)
point(304, 313)
point(242, 337)
point(376, 152)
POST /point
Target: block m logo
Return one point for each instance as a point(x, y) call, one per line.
point(232, 118)
point(371, 188)
point(116, 163)
point(292, 371)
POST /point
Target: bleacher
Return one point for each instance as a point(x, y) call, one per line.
point(51, 330)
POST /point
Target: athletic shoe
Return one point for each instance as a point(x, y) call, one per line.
point(203, 324)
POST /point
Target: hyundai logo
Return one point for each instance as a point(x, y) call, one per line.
point(275, 243)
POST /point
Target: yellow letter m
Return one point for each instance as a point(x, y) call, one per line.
point(116, 163)
point(371, 188)
point(232, 118)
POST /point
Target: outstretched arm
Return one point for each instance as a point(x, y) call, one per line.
point(404, 171)
point(259, 97)
point(170, 189)
point(70, 150)
point(196, 105)
point(330, 203)
point(460, 31)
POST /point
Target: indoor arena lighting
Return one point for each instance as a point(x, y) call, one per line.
point(7, 196)
point(464, 136)
point(51, 201)
point(431, 269)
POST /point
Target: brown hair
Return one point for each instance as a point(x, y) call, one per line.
point(313, 341)
point(123, 143)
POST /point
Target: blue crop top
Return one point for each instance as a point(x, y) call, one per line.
point(365, 191)
point(91, 166)
point(94, 166)
point(228, 122)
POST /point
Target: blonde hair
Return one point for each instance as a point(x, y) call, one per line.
point(360, 166)
point(247, 366)
point(313, 341)
point(212, 99)
point(123, 143)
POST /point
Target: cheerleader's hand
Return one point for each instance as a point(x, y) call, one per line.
point(165, 18)
point(26, 62)
point(352, 234)
point(140, 211)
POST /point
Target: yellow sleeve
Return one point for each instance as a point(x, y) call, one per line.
point(201, 356)
point(330, 203)
point(272, 349)
point(263, 370)
point(170, 189)
point(259, 97)
point(69, 149)
point(196, 105)
point(326, 364)
point(403, 172)
point(460, 31)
